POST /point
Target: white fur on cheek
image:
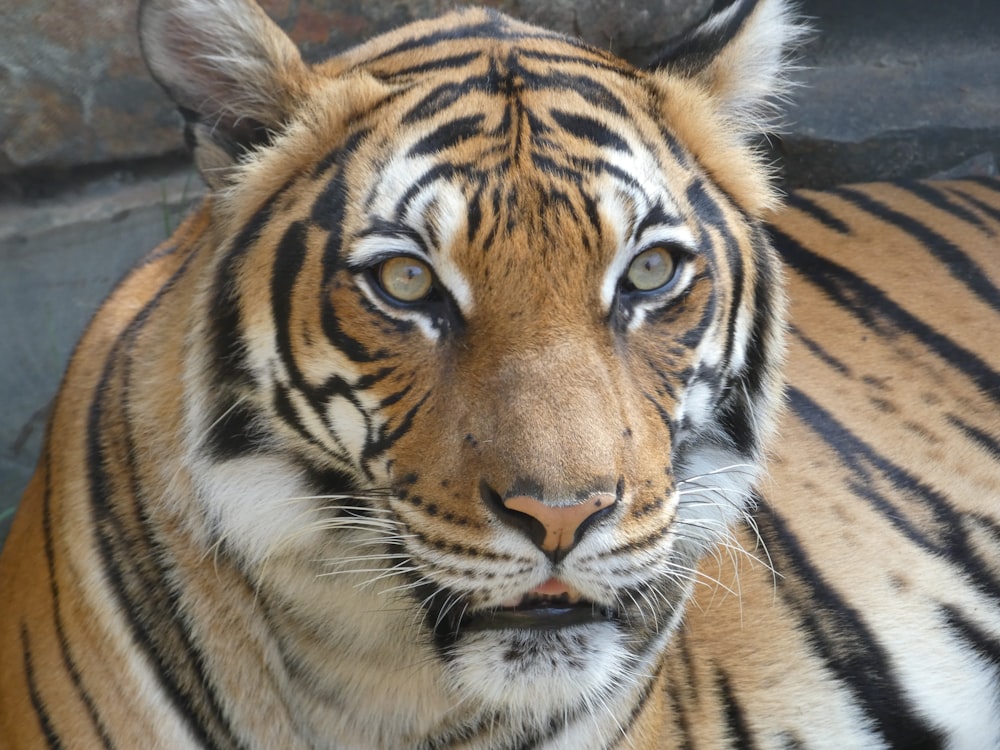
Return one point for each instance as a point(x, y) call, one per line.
point(348, 423)
point(258, 504)
point(715, 492)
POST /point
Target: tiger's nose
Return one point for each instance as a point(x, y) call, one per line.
point(554, 529)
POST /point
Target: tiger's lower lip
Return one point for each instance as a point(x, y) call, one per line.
point(550, 617)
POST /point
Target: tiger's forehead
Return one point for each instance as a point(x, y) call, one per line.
point(478, 72)
point(458, 39)
point(496, 133)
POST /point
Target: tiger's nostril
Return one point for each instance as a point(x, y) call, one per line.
point(553, 529)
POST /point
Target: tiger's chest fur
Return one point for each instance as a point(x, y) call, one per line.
point(470, 410)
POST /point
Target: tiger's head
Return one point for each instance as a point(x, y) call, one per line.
point(489, 347)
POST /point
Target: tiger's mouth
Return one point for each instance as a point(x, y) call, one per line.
point(550, 606)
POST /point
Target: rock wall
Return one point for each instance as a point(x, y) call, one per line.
point(74, 90)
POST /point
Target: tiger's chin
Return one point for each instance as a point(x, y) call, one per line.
point(557, 668)
point(550, 652)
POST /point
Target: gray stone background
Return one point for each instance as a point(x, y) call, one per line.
point(93, 174)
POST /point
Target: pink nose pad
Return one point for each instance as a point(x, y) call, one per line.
point(561, 523)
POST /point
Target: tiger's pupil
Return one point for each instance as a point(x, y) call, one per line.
point(651, 269)
point(405, 279)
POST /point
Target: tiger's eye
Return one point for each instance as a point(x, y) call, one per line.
point(651, 269)
point(405, 279)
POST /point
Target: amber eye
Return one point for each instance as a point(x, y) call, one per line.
point(405, 278)
point(652, 269)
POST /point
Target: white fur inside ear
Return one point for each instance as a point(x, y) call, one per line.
point(756, 63)
point(224, 59)
point(747, 76)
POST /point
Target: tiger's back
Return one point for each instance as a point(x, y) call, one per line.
point(443, 421)
point(870, 616)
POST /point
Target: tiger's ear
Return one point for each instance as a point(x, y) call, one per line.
point(721, 83)
point(234, 75)
point(739, 55)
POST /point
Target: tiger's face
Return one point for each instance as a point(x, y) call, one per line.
point(498, 350)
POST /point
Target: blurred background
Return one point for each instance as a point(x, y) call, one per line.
point(93, 171)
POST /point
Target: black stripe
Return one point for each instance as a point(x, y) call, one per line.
point(591, 90)
point(990, 210)
point(642, 700)
point(52, 740)
point(334, 158)
point(496, 28)
point(448, 135)
point(821, 353)
point(496, 203)
point(708, 211)
point(668, 139)
point(491, 29)
point(330, 206)
point(343, 341)
point(657, 216)
point(681, 691)
point(335, 385)
point(693, 335)
point(237, 431)
point(962, 267)
point(736, 723)
point(739, 400)
point(983, 535)
point(594, 59)
point(929, 193)
point(64, 650)
point(282, 404)
point(990, 183)
point(135, 565)
point(288, 262)
point(590, 130)
point(442, 97)
point(289, 257)
point(666, 418)
point(451, 62)
point(873, 308)
point(225, 326)
point(234, 428)
point(666, 379)
point(327, 482)
point(696, 48)
point(387, 438)
point(577, 167)
point(474, 215)
point(864, 464)
point(738, 272)
point(440, 171)
point(943, 533)
point(841, 638)
point(984, 644)
point(817, 212)
point(987, 441)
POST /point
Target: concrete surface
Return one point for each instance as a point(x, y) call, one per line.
point(58, 260)
point(893, 88)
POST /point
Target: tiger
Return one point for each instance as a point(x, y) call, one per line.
point(490, 399)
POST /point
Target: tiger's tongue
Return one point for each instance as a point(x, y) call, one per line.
point(552, 587)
